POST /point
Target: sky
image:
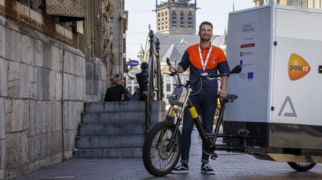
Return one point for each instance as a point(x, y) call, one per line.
point(141, 14)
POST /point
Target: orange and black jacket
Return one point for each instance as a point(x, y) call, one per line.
point(217, 62)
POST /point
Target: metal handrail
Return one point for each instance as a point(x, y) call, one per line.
point(153, 80)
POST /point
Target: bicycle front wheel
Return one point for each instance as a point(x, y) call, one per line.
point(157, 159)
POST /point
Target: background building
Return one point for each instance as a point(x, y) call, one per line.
point(316, 4)
point(176, 17)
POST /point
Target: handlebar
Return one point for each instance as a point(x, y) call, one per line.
point(237, 69)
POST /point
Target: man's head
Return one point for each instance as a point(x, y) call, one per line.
point(116, 78)
point(144, 65)
point(205, 31)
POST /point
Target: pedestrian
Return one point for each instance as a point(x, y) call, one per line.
point(140, 78)
point(200, 58)
point(116, 91)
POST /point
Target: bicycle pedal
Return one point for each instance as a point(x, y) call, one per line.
point(214, 157)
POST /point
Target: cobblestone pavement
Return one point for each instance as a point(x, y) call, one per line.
point(230, 166)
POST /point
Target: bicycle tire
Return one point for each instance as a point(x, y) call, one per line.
point(157, 161)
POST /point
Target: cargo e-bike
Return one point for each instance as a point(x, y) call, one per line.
point(162, 146)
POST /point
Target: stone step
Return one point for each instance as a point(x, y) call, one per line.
point(105, 142)
point(129, 106)
point(109, 153)
point(111, 129)
point(120, 117)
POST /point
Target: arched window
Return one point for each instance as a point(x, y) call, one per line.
point(159, 21)
point(174, 19)
point(181, 19)
point(189, 19)
point(162, 20)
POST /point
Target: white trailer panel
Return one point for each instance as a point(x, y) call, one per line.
point(279, 48)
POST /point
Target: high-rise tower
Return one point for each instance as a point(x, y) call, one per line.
point(176, 17)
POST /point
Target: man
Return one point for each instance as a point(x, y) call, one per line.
point(116, 90)
point(140, 78)
point(202, 57)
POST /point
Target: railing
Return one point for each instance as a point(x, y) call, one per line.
point(174, 4)
point(153, 87)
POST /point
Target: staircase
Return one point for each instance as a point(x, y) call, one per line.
point(114, 129)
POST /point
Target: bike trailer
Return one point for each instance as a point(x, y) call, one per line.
point(280, 86)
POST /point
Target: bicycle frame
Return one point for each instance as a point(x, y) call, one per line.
point(208, 139)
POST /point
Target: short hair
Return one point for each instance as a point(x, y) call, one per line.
point(207, 23)
point(144, 65)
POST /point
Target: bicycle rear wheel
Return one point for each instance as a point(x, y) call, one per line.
point(157, 160)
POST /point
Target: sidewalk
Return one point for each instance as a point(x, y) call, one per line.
point(99, 169)
point(232, 166)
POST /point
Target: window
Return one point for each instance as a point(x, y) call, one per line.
point(168, 78)
point(174, 19)
point(168, 87)
point(299, 3)
point(129, 89)
point(181, 19)
point(189, 19)
point(36, 5)
point(24, 2)
point(159, 21)
point(162, 19)
point(135, 88)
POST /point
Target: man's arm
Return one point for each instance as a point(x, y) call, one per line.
point(183, 65)
point(223, 92)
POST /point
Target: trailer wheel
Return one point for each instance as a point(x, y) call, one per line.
point(301, 166)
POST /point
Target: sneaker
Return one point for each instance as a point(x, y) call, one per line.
point(206, 169)
point(180, 168)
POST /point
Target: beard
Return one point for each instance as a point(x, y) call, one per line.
point(205, 38)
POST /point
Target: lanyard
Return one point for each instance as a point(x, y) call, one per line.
point(207, 58)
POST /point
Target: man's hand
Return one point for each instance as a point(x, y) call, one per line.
point(177, 68)
point(222, 94)
point(173, 68)
point(121, 82)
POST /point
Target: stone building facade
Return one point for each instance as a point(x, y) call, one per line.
point(50, 65)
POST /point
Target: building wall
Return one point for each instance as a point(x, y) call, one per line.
point(31, 99)
point(41, 96)
point(117, 61)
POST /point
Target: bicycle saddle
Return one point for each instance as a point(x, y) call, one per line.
point(230, 98)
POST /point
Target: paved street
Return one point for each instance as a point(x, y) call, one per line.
point(227, 166)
